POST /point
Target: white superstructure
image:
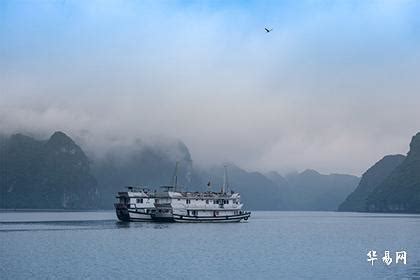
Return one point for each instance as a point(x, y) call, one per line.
point(135, 204)
point(175, 206)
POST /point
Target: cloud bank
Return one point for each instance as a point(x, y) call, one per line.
point(334, 87)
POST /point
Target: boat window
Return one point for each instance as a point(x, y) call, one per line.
point(188, 201)
point(207, 201)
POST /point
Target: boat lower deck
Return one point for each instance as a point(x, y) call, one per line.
point(212, 219)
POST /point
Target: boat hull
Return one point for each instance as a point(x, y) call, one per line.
point(211, 219)
point(134, 215)
point(131, 215)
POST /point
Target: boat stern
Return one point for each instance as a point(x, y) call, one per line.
point(122, 212)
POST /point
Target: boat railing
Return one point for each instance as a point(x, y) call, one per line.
point(210, 207)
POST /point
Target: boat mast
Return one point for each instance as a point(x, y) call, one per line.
point(175, 177)
point(225, 186)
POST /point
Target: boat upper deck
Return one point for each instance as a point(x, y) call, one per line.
point(198, 195)
point(137, 192)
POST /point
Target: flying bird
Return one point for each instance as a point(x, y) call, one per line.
point(268, 30)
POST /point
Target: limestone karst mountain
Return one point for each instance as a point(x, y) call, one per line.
point(45, 174)
point(371, 179)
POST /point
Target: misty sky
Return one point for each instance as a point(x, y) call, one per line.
point(334, 87)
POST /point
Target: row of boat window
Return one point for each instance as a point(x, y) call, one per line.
point(208, 201)
point(216, 201)
point(215, 213)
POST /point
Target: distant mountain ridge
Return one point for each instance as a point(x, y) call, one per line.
point(257, 191)
point(56, 173)
point(305, 191)
point(312, 191)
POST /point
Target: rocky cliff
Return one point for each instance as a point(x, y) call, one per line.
point(45, 174)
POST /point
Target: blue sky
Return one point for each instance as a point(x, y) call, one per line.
point(334, 87)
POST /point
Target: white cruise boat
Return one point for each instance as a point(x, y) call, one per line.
point(172, 205)
point(176, 206)
point(135, 204)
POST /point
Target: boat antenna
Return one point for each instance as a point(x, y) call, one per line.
point(175, 177)
point(225, 186)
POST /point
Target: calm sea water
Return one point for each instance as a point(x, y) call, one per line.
point(271, 245)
